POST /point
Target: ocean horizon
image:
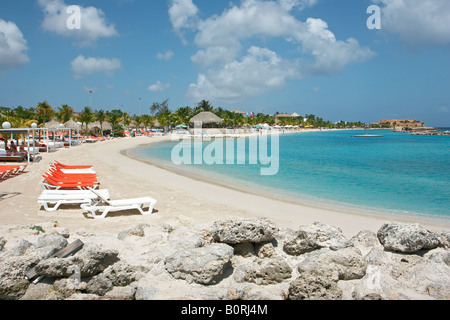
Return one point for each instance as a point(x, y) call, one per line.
point(398, 174)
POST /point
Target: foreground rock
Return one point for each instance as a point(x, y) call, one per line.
point(407, 238)
point(228, 260)
point(200, 265)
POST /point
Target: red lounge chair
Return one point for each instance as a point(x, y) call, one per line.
point(63, 166)
point(51, 184)
point(6, 171)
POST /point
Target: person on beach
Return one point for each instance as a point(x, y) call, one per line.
point(13, 147)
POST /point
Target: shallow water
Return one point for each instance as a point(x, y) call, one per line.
point(398, 173)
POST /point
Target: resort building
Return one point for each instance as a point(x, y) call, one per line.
point(402, 123)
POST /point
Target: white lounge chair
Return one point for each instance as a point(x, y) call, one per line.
point(106, 206)
point(53, 199)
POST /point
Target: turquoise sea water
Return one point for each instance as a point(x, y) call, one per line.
point(398, 173)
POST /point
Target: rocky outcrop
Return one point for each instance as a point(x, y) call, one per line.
point(244, 231)
point(204, 265)
point(228, 260)
point(314, 237)
point(407, 238)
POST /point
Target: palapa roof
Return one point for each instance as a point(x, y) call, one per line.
point(72, 125)
point(295, 115)
point(206, 117)
point(52, 125)
point(105, 125)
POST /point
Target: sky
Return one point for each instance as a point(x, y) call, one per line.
point(306, 56)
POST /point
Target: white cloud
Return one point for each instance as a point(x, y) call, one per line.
point(183, 15)
point(165, 56)
point(13, 46)
point(257, 72)
point(88, 66)
point(93, 24)
point(417, 22)
point(444, 109)
point(159, 87)
point(234, 72)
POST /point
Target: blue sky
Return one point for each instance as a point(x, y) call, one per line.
point(304, 56)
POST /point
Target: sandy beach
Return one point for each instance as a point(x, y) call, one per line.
point(179, 197)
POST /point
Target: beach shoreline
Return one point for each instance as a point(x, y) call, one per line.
point(180, 197)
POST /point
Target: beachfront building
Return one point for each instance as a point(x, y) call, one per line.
point(287, 119)
point(401, 123)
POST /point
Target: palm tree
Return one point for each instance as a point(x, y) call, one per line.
point(206, 106)
point(147, 121)
point(101, 117)
point(65, 113)
point(126, 119)
point(138, 121)
point(185, 114)
point(114, 118)
point(45, 112)
point(86, 116)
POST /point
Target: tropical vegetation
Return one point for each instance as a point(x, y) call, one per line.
point(160, 115)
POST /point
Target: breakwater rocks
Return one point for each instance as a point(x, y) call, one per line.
point(247, 259)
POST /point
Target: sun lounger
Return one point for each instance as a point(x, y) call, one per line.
point(51, 200)
point(64, 166)
point(50, 183)
point(105, 205)
point(6, 171)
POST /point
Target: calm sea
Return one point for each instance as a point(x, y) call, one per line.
point(397, 173)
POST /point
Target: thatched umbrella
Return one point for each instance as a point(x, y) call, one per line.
point(52, 125)
point(104, 126)
point(206, 117)
point(72, 125)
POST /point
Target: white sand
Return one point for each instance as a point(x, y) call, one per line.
point(179, 197)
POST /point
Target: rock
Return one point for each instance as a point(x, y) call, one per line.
point(344, 264)
point(365, 239)
point(20, 248)
point(407, 238)
point(122, 274)
point(99, 285)
point(314, 285)
point(245, 250)
point(265, 250)
point(137, 231)
point(244, 231)
point(49, 244)
point(444, 239)
point(2, 243)
point(66, 288)
point(90, 261)
point(204, 265)
point(264, 271)
point(314, 237)
point(121, 293)
point(13, 284)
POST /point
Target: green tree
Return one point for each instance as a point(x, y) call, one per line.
point(205, 106)
point(45, 113)
point(114, 117)
point(87, 116)
point(158, 108)
point(65, 113)
point(185, 114)
point(101, 116)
